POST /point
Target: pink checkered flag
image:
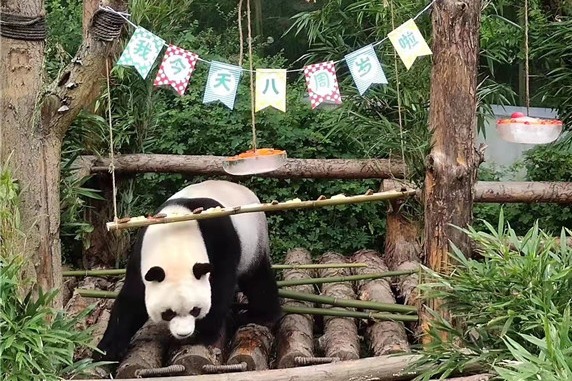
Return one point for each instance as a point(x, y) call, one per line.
point(176, 68)
point(322, 83)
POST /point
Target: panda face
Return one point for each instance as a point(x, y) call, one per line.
point(178, 300)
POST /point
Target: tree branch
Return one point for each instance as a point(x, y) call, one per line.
point(79, 84)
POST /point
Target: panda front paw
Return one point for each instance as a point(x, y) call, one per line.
point(109, 350)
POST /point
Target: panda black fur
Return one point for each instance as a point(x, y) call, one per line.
point(218, 253)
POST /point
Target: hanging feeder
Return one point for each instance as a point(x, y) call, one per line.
point(525, 129)
point(255, 161)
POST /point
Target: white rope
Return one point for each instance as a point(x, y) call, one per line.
point(111, 158)
point(251, 77)
point(125, 15)
point(526, 67)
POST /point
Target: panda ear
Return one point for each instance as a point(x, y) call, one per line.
point(200, 269)
point(155, 274)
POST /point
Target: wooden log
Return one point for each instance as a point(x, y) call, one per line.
point(146, 351)
point(386, 368)
point(194, 357)
point(295, 334)
point(340, 337)
point(251, 344)
point(384, 337)
point(212, 165)
point(523, 192)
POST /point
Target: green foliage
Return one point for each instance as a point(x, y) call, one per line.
point(551, 359)
point(504, 305)
point(38, 341)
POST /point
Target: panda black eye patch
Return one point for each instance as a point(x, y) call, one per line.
point(195, 312)
point(155, 274)
point(168, 315)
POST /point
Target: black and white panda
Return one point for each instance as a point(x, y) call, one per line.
point(185, 274)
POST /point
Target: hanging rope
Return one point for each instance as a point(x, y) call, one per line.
point(241, 41)
point(395, 63)
point(251, 77)
point(111, 158)
point(526, 65)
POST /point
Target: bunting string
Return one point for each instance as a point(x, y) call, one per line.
point(178, 64)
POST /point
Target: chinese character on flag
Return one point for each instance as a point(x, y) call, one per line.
point(176, 69)
point(322, 83)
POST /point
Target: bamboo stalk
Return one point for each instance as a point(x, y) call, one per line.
point(346, 313)
point(118, 272)
point(369, 305)
point(287, 309)
point(140, 221)
point(296, 282)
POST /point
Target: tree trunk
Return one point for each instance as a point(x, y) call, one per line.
point(452, 163)
point(34, 119)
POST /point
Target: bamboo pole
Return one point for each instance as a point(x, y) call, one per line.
point(274, 206)
point(118, 272)
point(287, 309)
point(369, 305)
point(296, 282)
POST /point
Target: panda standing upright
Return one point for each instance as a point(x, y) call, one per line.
point(185, 273)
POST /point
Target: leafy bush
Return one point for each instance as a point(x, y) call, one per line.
point(38, 341)
point(505, 305)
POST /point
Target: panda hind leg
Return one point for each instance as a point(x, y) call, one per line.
point(260, 288)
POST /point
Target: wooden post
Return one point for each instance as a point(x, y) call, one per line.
point(452, 163)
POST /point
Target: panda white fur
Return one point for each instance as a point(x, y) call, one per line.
point(185, 274)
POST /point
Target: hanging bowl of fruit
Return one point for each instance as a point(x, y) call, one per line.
point(520, 128)
point(255, 161)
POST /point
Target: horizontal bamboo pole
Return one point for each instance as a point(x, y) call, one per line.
point(140, 221)
point(118, 272)
point(297, 282)
point(369, 305)
point(347, 313)
point(287, 309)
point(213, 165)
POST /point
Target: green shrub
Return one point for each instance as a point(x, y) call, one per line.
point(505, 304)
point(38, 341)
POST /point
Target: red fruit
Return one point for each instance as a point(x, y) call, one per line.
point(517, 115)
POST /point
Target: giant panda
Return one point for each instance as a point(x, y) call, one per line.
point(185, 274)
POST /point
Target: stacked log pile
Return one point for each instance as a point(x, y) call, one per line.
point(302, 338)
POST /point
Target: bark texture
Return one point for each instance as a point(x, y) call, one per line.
point(147, 350)
point(384, 337)
point(34, 119)
point(452, 163)
point(340, 337)
point(295, 334)
point(212, 165)
point(251, 344)
point(523, 191)
point(386, 368)
point(194, 357)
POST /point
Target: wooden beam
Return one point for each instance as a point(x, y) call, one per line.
point(212, 165)
point(528, 192)
point(386, 368)
point(523, 191)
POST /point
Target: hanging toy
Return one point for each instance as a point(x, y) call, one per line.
point(255, 160)
point(520, 128)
